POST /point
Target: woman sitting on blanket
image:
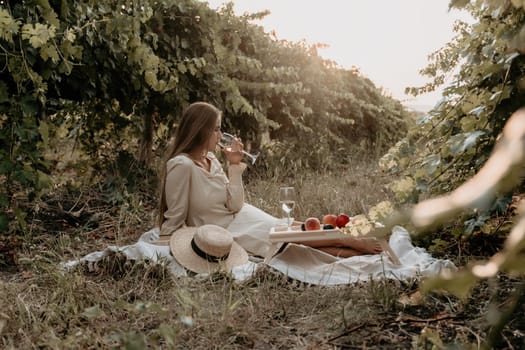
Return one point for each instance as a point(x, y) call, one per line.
point(196, 191)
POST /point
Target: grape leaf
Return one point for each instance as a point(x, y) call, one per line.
point(49, 51)
point(8, 26)
point(38, 34)
point(461, 142)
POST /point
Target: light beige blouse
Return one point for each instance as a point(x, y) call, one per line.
point(196, 197)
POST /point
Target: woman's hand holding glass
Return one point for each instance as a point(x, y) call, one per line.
point(228, 143)
point(233, 149)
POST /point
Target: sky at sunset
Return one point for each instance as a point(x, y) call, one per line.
point(388, 40)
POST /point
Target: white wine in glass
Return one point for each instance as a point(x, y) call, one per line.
point(287, 200)
point(226, 141)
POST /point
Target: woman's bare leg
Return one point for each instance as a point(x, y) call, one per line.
point(341, 252)
point(366, 245)
point(354, 246)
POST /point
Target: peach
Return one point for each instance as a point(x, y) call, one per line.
point(330, 219)
point(312, 224)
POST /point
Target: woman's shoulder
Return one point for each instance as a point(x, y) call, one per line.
point(179, 160)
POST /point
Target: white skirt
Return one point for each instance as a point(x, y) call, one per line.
point(251, 228)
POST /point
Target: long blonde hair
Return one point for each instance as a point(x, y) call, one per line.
point(196, 126)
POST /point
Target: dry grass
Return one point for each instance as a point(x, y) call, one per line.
point(137, 305)
point(352, 191)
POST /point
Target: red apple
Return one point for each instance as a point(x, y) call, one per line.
point(311, 224)
point(342, 220)
point(330, 219)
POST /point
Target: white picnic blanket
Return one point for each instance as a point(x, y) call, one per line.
point(300, 262)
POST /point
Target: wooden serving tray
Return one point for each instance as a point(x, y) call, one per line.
point(281, 235)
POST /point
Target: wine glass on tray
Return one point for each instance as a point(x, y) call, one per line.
point(287, 201)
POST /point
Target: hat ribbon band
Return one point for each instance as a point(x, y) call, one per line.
point(204, 255)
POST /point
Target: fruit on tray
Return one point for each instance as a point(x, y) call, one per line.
point(324, 226)
point(330, 219)
point(342, 220)
point(312, 224)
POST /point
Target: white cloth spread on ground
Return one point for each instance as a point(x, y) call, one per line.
point(251, 227)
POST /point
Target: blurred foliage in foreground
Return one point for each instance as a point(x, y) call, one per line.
point(451, 146)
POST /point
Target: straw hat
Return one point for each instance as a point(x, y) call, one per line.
point(206, 248)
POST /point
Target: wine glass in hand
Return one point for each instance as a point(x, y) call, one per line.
point(226, 143)
point(287, 200)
